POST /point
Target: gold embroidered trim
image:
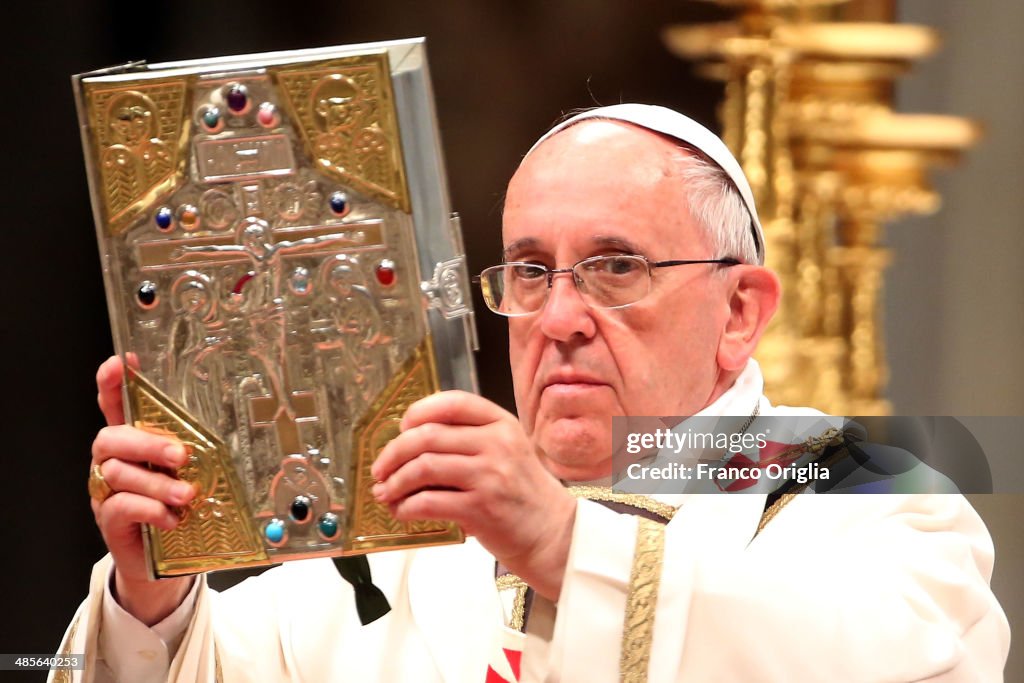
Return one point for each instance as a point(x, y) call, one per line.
point(769, 514)
point(638, 627)
point(513, 582)
point(829, 438)
point(65, 675)
point(663, 510)
point(506, 581)
point(814, 444)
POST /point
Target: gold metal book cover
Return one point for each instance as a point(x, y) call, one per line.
point(284, 277)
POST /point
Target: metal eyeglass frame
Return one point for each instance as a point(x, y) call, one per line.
point(578, 281)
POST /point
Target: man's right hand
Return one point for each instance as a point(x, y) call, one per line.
point(140, 496)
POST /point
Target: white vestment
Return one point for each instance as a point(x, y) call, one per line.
point(834, 588)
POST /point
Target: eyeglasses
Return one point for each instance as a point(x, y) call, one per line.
point(608, 281)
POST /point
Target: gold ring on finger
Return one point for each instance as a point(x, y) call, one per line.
point(99, 489)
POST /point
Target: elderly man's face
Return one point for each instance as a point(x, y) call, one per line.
point(605, 187)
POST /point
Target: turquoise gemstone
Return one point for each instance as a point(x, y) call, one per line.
point(328, 525)
point(274, 531)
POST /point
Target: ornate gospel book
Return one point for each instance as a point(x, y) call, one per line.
point(284, 278)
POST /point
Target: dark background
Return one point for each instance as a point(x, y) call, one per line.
point(503, 72)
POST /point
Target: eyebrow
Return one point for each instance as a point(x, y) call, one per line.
point(523, 244)
point(601, 241)
point(618, 243)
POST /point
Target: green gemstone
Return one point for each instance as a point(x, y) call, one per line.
point(211, 117)
point(328, 525)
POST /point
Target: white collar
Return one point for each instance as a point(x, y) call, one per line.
point(745, 394)
point(741, 399)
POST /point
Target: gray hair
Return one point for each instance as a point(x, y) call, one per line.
point(711, 195)
point(716, 205)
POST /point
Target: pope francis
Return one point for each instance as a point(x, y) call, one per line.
point(633, 284)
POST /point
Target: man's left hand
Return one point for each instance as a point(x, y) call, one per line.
point(462, 458)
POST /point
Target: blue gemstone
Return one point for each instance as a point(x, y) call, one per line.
point(274, 531)
point(328, 525)
point(339, 203)
point(164, 216)
point(300, 508)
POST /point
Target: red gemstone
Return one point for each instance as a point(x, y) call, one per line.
point(267, 115)
point(237, 289)
point(385, 275)
point(238, 98)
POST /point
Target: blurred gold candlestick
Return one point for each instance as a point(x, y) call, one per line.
point(807, 111)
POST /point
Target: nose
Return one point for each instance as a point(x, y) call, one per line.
point(565, 315)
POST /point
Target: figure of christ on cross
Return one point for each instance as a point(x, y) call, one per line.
point(265, 310)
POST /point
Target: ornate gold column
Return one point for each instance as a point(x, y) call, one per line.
point(808, 112)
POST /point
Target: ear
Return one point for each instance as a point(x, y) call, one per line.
point(753, 298)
